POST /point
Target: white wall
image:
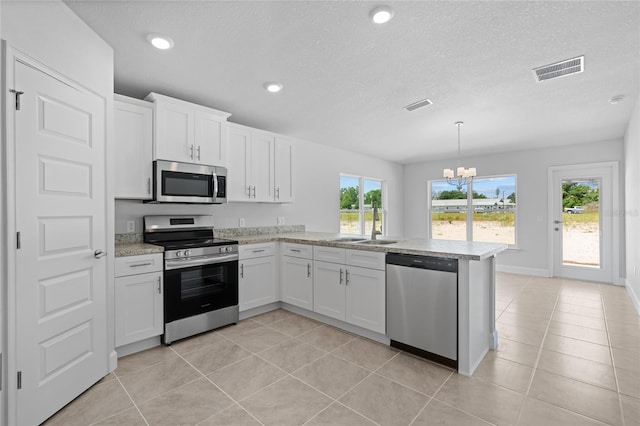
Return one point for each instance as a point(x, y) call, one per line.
point(531, 168)
point(632, 206)
point(317, 171)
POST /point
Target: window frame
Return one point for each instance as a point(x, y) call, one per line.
point(382, 209)
point(469, 217)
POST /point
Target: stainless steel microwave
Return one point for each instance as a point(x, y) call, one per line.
point(175, 182)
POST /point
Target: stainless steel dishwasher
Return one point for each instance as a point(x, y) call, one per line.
point(422, 306)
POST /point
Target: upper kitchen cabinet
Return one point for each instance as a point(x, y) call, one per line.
point(260, 166)
point(133, 130)
point(187, 132)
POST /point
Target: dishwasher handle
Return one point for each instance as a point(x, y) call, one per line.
point(423, 262)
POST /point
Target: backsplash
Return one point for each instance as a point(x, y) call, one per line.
point(259, 230)
point(129, 238)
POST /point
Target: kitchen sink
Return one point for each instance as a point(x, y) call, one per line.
point(347, 240)
point(376, 242)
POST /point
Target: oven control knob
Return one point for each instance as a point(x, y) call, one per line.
point(187, 253)
point(224, 249)
point(178, 253)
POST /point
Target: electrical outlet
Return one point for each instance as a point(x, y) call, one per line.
point(131, 226)
point(280, 220)
point(241, 222)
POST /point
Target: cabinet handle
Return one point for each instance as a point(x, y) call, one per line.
point(191, 152)
point(254, 191)
point(242, 270)
point(249, 190)
point(278, 193)
point(198, 152)
point(341, 279)
point(308, 270)
point(141, 264)
point(295, 250)
point(258, 251)
point(159, 291)
point(347, 280)
point(148, 185)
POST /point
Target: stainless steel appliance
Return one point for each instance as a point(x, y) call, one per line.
point(200, 275)
point(175, 182)
point(422, 306)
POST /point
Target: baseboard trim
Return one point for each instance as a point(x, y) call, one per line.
point(523, 271)
point(134, 347)
point(632, 294)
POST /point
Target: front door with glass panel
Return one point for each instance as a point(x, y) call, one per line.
point(582, 222)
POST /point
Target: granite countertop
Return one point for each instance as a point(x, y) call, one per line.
point(135, 249)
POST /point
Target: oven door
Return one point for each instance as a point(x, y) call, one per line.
point(184, 183)
point(197, 289)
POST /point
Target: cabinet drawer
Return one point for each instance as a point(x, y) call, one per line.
point(297, 250)
point(366, 259)
point(134, 265)
point(329, 254)
point(257, 250)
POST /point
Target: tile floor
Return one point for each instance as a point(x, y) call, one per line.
point(569, 354)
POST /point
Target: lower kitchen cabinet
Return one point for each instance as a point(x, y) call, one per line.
point(258, 276)
point(296, 282)
point(329, 290)
point(138, 298)
point(365, 298)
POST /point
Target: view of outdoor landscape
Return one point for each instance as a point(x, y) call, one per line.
point(353, 207)
point(581, 223)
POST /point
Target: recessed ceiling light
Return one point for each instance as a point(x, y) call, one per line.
point(159, 41)
point(381, 14)
point(616, 99)
point(273, 87)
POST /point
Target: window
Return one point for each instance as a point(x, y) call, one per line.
point(491, 218)
point(358, 196)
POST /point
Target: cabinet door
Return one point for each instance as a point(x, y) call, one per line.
point(329, 289)
point(283, 171)
point(210, 140)
point(262, 189)
point(133, 134)
point(174, 133)
point(365, 298)
point(138, 305)
point(239, 151)
point(297, 282)
point(257, 284)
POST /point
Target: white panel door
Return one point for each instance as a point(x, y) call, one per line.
point(61, 306)
point(210, 141)
point(329, 289)
point(365, 300)
point(297, 282)
point(238, 163)
point(262, 167)
point(283, 171)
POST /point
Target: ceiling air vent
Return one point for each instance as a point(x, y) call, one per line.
point(419, 104)
point(559, 69)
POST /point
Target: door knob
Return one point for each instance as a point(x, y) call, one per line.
point(98, 254)
point(557, 221)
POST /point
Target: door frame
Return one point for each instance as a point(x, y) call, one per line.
point(614, 214)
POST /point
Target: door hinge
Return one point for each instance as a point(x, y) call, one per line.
point(18, 242)
point(17, 93)
point(19, 379)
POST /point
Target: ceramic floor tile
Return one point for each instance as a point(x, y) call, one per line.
point(95, 404)
point(216, 356)
point(294, 325)
point(260, 339)
point(624, 328)
point(577, 332)
point(631, 410)
point(326, 337)
point(517, 352)
point(365, 353)
point(581, 320)
point(129, 417)
point(580, 301)
point(580, 310)
point(191, 344)
point(272, 316)
point(331, 375)
point(537, 413)
point(239, 328)
point(292, 355)
point(287, 402)
point(157, 379)
point(246, 377)
point(627, 343)
point(132, 363)
point(627, 360)
point(416, 373)
point(384, 401)
point(482, 399)
point(589, 400)
point(232, 416)
point(519, 334)
point(525, 321)
point(186, 405)
point(438, 414)
point(339, 415)
point(578, 348)
point(576, 368)
point(629, 382)
point(502, 372)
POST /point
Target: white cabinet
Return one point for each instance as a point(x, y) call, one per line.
point(188, 132)
point(296, 282)
point(349, 285)
point(133, 136)
point(260, 166)
point(258, 274)
point(138, 298)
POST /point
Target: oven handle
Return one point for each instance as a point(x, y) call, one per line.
point(185, 263)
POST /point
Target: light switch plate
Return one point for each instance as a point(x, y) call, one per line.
point(131, 226)
point(280, 220)
point(241, 222)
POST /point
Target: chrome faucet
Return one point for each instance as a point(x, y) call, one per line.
point(373, 229)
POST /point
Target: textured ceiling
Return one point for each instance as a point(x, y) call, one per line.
point(347, 80)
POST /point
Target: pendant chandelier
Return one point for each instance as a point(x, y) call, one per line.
point(461, 176)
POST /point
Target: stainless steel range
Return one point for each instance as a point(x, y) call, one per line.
point(200, 275)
